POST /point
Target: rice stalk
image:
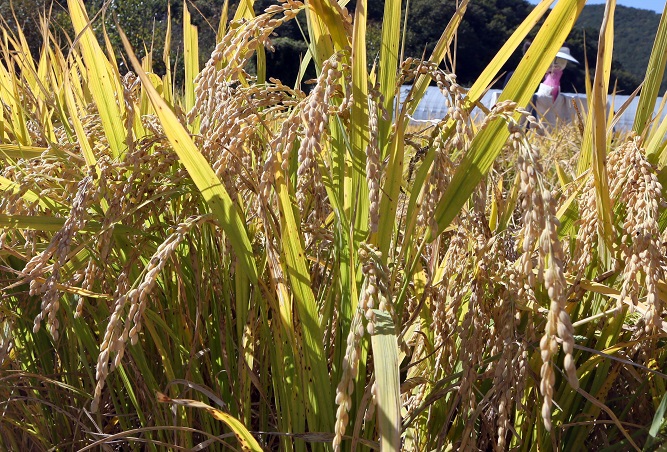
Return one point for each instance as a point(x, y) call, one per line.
point(324, 272)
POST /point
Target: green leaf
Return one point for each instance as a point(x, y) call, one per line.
point(359, 131)
point(388, 67)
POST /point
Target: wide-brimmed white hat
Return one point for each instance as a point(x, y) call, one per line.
point(564, 53)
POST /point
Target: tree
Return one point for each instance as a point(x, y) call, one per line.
point(485, 27)
point(25, 14)
point(583, 45)
point(634, 33)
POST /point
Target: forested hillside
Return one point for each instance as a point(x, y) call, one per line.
point(486, 26)
point(635, 33)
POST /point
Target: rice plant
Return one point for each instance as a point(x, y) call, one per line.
point(248, 265)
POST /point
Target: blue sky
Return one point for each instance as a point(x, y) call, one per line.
point(654, 5)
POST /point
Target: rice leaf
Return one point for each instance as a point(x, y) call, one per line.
point(488, 143)
point(101, 80)
point(359, 133)
point(10, 96)
point(247, 441)
point(222, 25)
point(168, 91)
point(597, 128)
point(245, 10)
point(315, 375)
point(82, 138)
point(385, 354)
point(17, 151)
point(54, 224)
point(653, 78)
point(190, 57)
point(332, 23)
point(230, 218)
point(388, 66)
point(655, 149)
point(563, 178)
point(658, 424)
point(568, 214)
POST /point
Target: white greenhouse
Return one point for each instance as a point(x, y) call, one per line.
point(433, 105)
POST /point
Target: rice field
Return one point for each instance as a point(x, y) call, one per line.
point(244, 265)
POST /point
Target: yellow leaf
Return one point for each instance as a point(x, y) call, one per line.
point(248, 442)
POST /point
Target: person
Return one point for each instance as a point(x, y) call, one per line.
point(551, 84)
point(548, 102)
